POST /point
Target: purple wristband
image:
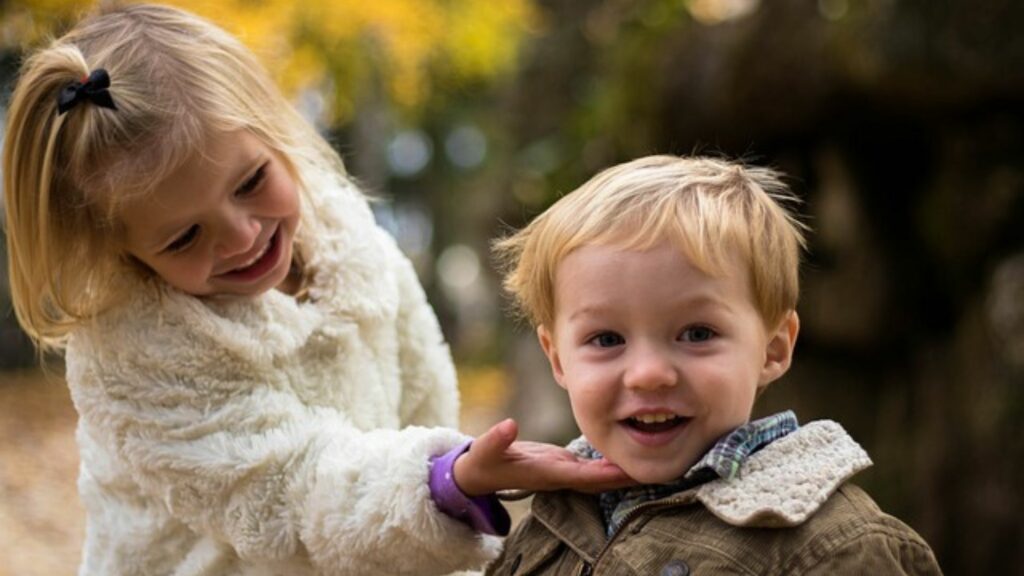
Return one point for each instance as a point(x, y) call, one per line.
point(483, 513)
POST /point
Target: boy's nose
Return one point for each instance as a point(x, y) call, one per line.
point(650, 369)
point(237, 235)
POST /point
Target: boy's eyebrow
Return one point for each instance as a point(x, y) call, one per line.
point(587, 310)
point(701, 300)
point(707, 300)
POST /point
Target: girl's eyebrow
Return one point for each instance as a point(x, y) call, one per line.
point(166, 234)
point(166, 237)
point(251, 165)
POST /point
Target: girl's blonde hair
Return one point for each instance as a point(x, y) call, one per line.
point(175, 79)
point(713, 210)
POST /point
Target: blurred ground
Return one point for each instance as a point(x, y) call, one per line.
point(41, 519)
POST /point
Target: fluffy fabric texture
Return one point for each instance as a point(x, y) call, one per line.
point(267, 436)
point(788, 480)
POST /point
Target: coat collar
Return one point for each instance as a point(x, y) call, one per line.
point(787, 481)
point(346, 251)
point(781, 485)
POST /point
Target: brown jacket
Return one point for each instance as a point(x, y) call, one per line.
point(789, 513)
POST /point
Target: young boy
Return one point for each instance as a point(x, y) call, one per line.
point(664, 292)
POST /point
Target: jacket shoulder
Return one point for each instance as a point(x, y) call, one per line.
point(849, 534)
point(851, 531)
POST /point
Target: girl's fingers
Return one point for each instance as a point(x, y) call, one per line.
point(493, 443)
point(592, 476)
point(604, 479)
point(495, 461)
point(475, 470)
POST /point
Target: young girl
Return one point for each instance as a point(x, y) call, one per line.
point(252, 360)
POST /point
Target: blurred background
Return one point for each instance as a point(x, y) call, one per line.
point(899, 122)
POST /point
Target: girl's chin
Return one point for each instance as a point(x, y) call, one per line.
point(233, 291)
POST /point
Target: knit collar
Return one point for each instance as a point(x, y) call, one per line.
point(783, 484)
point(724, 460)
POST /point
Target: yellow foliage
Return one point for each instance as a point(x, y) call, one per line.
point(484, 386)
point(383, 48)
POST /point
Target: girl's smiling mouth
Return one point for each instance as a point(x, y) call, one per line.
point(258, 265)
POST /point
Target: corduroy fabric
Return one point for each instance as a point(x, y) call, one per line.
point(687, 533)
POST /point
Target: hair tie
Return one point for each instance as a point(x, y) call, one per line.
point(92, 88)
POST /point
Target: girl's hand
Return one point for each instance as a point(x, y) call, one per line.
point(495, 461)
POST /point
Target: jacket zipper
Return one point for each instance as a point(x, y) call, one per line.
point(633, 512)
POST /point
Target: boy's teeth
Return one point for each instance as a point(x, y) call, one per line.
point(654, 418)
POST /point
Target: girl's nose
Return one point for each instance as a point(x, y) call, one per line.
point(238, 233)
point(650, 369)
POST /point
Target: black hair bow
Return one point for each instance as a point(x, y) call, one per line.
point(93, 88)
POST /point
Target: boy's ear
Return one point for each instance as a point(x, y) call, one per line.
point(547, 343)
point(779, 353)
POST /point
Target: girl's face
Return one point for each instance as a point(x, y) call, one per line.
point(222, 224)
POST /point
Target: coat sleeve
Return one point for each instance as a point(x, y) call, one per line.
point(251, 465)
point(430, 395)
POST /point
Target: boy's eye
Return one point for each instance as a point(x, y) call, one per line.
point(697, 334)
point(252, 183)
point(608, 340)
point(183, 241)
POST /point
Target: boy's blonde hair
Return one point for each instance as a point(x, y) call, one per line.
point(711, 209)
point(175, 79)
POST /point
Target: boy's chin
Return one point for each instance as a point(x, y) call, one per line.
point(660, 473)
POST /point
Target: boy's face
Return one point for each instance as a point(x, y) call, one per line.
point(660, 360)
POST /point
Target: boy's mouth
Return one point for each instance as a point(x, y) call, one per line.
point(655, 423)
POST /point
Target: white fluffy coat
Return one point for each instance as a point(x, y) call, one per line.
point(266, 436)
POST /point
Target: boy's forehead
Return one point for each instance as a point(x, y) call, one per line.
point(720, 269)
point(713, 261)
point(599, 264)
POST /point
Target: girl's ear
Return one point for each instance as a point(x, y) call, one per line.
point(547, 342)
point(779, 352)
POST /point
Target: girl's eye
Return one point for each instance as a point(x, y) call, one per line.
point(183, 241)
point(608, 340)
point(698, 334)
point(252, 183)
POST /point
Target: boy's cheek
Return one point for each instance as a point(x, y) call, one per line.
point(585, 412)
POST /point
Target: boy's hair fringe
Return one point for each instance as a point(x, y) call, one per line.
point(712, 209)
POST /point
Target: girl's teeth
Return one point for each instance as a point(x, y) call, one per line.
point(255, 258)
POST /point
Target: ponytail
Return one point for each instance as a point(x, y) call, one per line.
point(53, 236)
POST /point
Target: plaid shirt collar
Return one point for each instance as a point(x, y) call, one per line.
point(723, 461)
